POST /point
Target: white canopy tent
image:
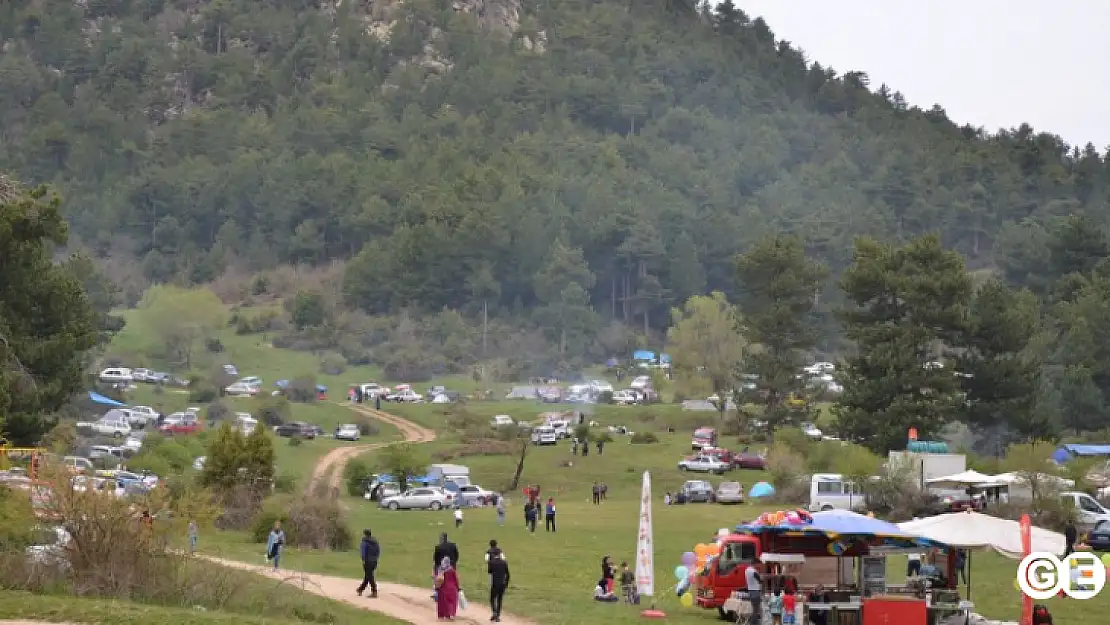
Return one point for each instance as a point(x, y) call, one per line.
point(972, 530)
point(966, 478)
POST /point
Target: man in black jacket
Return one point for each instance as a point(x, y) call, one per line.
point(1071, 536)
point(445, 549)
point(371, 551)
point(498, 582)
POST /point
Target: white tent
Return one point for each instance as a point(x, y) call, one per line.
point(967, 478)
point(972, 530)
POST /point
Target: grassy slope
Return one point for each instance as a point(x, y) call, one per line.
point(554, 574)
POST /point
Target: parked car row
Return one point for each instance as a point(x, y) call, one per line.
point(127, 375)
point(720, 461)
point(701, 491)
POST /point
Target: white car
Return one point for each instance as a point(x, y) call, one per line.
point(241, 389)
point(474, 495)
point(141, 375)
point(812, 431)
point(625, 398)
point(370, 390)
point(251, 380)
point(115, 426)
point(347, 432)
point(143, 414)
point(230, 369)
point(116, 374)
point(424, 498)
point(703, 464)
point(601, 386)
point(407, 396)
point(641, 382)
point(50, 547)
point(501, 420)
point(133, 445)
point(198, 464)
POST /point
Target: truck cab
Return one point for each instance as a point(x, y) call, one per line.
point(703, 437)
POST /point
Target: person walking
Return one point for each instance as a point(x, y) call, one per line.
point(498, 569)
point(274, 544)
point(494, 550)
point(549, 515)
point(1071, 536)
point(371, 551)
point(755, 592)
point(604, 490)
point(445, 549)
point(447, 590)
point(458, 518)
point(501, 511)
point(531, 514)
point(600, 447)
point(194, 535)
point(597, 494)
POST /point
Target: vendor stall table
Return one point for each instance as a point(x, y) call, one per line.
point(883, 610)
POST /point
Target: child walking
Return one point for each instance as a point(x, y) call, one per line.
point(458, 517)
point(628, 584)
point(789, 607)
point(774, 607)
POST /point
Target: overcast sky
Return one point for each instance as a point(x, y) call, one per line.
point(991, 63)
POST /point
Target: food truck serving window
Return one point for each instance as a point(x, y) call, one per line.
point(735, 554)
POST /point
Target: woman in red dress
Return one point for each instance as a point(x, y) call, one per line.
point(447, 591)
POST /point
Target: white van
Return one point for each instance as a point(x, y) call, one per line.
point(830, 491)
point(561, 427)
point(501, 420)
point(544, 435)
point(245, 423)
point(1090, 513)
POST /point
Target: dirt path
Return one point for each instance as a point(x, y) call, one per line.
point(406, 603)
point(33, 623)
point(330, 467)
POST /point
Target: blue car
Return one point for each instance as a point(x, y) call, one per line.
point(1099, 538)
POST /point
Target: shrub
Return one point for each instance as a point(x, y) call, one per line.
point(313, 522)
point(213, 345)
point(285, 483)
point(272, 411)
point(332, 363)
point(366, 426)
point(644, 438)
point(302, 389)
point(218, 411)
point(203, 393)
point(355, 475)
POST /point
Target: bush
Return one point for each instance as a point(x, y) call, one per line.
point(285, 484)
point(203, 393)
point(218, 411)
point(366, 426)
point(213, 345)
point(272, 411)
point(333, 364)
point(302, 389)
point(355, 475)
point(605, 397)
point(644, 438)
point(408, 363)
point(313, 522)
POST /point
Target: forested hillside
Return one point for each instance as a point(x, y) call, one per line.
point(483, 150)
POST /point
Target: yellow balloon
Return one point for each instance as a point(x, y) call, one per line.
point(1106, 559)
point(1016, 585)
point(687, 600)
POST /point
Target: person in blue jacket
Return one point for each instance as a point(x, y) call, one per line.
point(370, 552)
point(274, 544)
point(549, 514)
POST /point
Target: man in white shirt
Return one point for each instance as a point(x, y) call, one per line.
point(913, 565)
point(755, 592)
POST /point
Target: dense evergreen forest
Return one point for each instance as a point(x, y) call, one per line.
point(567, 172)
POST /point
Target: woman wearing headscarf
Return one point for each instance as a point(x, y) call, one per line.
point(447, 591)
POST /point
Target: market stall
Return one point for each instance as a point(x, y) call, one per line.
point(860, 597)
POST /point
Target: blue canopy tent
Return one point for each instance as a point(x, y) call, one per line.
point(835, 524)
point(1067, 453)
point(761, 489)
point(643, 354)
point(97, 398)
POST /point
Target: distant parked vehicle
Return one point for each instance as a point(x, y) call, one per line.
point(748, 460)
point(116, 374)
point(697, 491)
point(703, 464)
point(295, 429)
point(407, 396)
point(242, 389)
point(475, 495)
point(348, 432)
point(730, 492)
point(424, 498)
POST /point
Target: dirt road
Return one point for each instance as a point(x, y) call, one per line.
point(330, 467)
point(407, 603)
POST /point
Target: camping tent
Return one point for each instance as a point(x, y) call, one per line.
point(966, 478)
point(972, 530)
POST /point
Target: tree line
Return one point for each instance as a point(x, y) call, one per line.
point(614, 174)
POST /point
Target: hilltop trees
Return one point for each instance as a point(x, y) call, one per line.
point(46, 321)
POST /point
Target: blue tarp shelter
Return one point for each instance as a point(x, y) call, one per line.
point(761, 489)
point(838, 523)
point(1070, 452)
point(643, 354)
point(97, 398)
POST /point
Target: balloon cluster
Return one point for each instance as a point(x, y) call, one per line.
point(784, 517)
point(692, 562)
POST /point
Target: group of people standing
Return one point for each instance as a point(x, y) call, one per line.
point(449, 596)
point(532, 509)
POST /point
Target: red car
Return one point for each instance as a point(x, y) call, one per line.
point(748, 460)
point(182, 425)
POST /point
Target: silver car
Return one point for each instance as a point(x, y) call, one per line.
point(424, 498)
point(730, 492)
point(348, 432)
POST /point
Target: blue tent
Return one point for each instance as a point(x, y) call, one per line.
point(761, 489)
point(836, 523)
point(643, 354)
point(665, 358)
point(1069, 452)
point(97, 398)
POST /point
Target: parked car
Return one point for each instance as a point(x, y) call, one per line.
point(141, 416)
point(180, 423)
point(697, 491)
point(78, 464)
point(230, 369)
point(97, 452)
point(749, 460)
point(348, 432)
point(116, 374)
point(407, 396)
point(703, 464)
point(730, 492)
point(473, 494)
point(1099, 538)
point(242, 389)
point(625, 398)
point(812, 431)
point(295, 428)
point(424, 498)
point(114, 425)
